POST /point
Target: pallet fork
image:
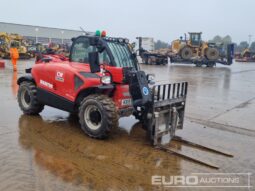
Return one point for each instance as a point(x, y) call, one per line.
point(169, 102)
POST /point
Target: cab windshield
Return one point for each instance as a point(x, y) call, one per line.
point(121, 54)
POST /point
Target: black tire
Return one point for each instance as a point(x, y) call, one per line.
point(145, 61)
point(212, 53)
point(186, 53)
point(210, 64)
point(27, 99)
point(141, 118)
point(150, 61)
point(137, 116)
point(98, 116)
point(149, 126)
point(198, 64)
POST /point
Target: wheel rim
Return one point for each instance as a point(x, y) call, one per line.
point(25, 98)
point(186, 53)
point(93, 117)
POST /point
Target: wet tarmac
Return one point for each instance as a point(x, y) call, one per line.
point(50, 151)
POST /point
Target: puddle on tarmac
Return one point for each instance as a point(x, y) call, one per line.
point(124, 161)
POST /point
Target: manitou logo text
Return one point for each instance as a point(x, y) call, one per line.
point(47, 84)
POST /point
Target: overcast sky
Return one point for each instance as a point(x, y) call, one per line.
point(162, 19)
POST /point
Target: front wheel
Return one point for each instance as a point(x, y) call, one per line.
point(186, 53)
point(198, 64)
point(27, 99)
point(98, 116)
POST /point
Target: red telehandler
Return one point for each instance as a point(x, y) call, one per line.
point(101, 82)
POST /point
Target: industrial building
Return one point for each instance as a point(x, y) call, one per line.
point(40, 34)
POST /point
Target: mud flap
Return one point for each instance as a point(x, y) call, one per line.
point(168, 111)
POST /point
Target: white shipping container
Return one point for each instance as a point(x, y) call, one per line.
point(148, 43)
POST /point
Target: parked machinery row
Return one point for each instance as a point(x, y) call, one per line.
point(27, 49)
point(245, 56)
point(192, 50)
point(6, 40)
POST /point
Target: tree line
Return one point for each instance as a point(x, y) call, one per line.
point(238, 47)
point(160, 44)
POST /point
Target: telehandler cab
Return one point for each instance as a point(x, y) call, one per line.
point(101, 82)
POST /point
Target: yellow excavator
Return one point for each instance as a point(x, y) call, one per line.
point(246, 53)
point(245, 56)
point(194, 47)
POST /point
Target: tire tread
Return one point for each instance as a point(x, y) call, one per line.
point(112, 116)
point(36, 107)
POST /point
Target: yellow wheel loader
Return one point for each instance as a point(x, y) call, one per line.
point(195, 47)
point(194, 50)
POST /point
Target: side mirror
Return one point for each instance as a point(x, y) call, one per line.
point(94, 62)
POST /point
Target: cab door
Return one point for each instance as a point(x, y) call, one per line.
point(80, 50)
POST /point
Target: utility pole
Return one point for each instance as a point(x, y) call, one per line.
point(36, 36)
point(62, 32)
point(250, 36)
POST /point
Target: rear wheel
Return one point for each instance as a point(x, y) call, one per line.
point(27, 99)
point(98, 115)
point(212, 53)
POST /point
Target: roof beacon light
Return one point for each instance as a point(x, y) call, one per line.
point(98, 33)
point(103, 34)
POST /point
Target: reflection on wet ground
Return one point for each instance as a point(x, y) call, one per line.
point(50, 151)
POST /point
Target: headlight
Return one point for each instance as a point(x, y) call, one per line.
point(150, 77)
point(106, 79)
